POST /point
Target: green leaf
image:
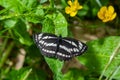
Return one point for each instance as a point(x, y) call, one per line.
point(21, 31)
point(37, 74)
point(83, 11)
point(21, 74)
point(13, 5)
point(56, 66)
point(48, 26)
point(28, 4)
point(36, 16)
point(101, 51)
point(55, 23)
point(18, 5)
point(60, 24)
point(73, 74)
point(9, 23)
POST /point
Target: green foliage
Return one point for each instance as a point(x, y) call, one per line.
point(55, 66)
point(101, 55)
point(21, 74)
point(20, 19)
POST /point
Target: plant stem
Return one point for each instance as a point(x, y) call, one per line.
point(3, 47)
point(26, 75)
point(99, 3)
point(6, 54)
point(51, 4)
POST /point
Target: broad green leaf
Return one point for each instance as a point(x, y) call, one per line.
point(56, 66)
point(48, 26)
point(99, 54)
point(21, 32)
point(60, 24)
point(21, 74)
point(55, 23)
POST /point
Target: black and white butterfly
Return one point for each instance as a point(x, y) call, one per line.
point(64, 48)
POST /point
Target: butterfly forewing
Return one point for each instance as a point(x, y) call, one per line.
point(58, 47)
point(46, 43)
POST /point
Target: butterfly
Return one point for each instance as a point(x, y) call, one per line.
point(63, 48)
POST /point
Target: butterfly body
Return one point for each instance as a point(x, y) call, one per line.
point(64, 48)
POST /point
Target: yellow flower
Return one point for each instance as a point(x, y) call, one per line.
point(73, 8)
point(106, 14)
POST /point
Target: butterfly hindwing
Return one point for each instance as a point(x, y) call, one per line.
point(76, 47)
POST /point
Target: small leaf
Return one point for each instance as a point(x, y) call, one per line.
point(13, 5)
point(36, 16)
point(21, 74)
point(83, 11)
point(9, 23)
point(28, 3)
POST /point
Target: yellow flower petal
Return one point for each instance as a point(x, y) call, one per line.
point(110, 9)
point(105, 20)
point(73, 7)
point(113, 16)
point(69, 2)
point(75, 2)
point(67, 10)
point(72, 14)
point(103, 9)
point(80, 7)
point(100, 15)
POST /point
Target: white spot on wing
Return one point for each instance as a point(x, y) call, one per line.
point(49, 37)
point(63, 55)
point(74, 50)
point(51, 44)
point(70, 42)
point(48, 51)
point(65, 48)
point(40, 36)
point(41, 41)
point(74, 44)
point(80, 45)
point(67, 41)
